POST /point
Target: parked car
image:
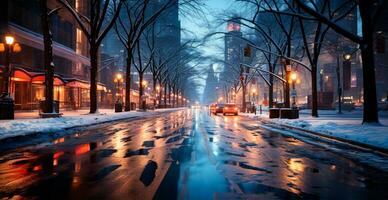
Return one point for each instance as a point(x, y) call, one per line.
point(216, 108)
point(230, 108)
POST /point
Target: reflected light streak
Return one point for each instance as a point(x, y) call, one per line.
point(59, 140)
point(37, 168)
point(295, 164)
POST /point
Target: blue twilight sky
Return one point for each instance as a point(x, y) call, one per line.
point(196, 27)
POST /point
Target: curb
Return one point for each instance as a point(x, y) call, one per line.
point(33, 137)
point(324, 137)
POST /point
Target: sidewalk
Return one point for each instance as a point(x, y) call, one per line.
point(344, 127)
point(27, 123)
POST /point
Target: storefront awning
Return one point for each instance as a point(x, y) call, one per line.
point(21, 75)
point(76, 83)
point(40, 79)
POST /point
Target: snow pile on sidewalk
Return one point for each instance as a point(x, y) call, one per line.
point(349, 129)
point(22, 127)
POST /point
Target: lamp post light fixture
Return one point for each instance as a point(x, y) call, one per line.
point(118, 80)
point(254, 93)
point(347, 57)
point(6, 102)
point(293, 79)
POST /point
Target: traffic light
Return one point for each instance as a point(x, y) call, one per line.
point(380, 43)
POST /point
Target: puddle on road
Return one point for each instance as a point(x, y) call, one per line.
point(193, 173)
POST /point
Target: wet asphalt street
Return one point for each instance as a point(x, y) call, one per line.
point(186, 154)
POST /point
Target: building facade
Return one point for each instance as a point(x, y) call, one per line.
point(22, 20)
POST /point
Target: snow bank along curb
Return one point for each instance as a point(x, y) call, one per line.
point(26, 127)
point(370, 137)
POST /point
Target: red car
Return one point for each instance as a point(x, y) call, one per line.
point(216, 108)
point(230, 108)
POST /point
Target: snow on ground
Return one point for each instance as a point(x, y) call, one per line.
point(345, 126)
point(28, 123)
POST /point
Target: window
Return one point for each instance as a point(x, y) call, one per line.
point(77, 5)
point(78, 70)
point(78, 45)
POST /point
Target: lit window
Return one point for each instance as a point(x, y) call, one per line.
point(77, 5)
point(78, 47)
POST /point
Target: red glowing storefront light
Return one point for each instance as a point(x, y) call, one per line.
point(81, 149)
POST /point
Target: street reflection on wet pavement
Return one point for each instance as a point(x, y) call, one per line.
point(186, 154)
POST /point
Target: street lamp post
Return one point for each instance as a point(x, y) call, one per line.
point(254, 93)
point(118, 80)
point(144, 84)
point(346, 60)
point(293, 79)
point(157, 96)
point(6, 102)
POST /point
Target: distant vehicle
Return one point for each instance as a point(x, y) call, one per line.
point(230, 108)
point(216, 108)
point(346, 105)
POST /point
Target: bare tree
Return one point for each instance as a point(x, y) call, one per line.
point(95, 26)
point(48, 56)
point(369, 12)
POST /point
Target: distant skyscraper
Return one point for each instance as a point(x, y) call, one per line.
point(232, 53)
point(211, 88)
point(233, 45)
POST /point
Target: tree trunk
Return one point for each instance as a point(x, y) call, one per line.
point(174, 97)
point(270, 93)
point(127, 106)
point(141, 91)
point(165, 95)
point(339, 89)
point(270, 86)
point(314, 107)
point(160, 93)
point(48, 60)
point(169, 95)
point(368, 69)
point(154, 89)
point(93, 76)
point(244, 106)
point(287, 85)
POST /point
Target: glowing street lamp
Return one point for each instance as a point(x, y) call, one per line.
point(254, 92)
point(347, 57)
point(118, 80)
point(293, 79)
point(9, 39)
point(144, 83)
point(9, 47)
